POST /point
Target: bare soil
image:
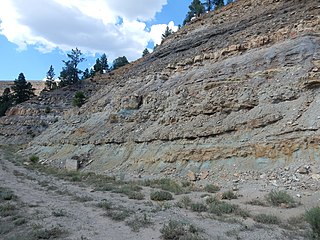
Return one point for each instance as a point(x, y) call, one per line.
point(68, 210)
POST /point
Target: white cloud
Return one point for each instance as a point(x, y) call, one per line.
point(95, 26)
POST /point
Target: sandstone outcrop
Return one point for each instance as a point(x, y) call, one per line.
point(237, 88)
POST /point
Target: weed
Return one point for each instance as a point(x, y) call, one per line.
point(266, 219)
point(161, 196)
point(5, 227)
point(212, 200)
point(6, 194)
point(295, 222)
point(139, 222)
point(277, 198)
point(229, 195)
point(47, 110)
point(177, 230)
point(52, 233)
point(19, 221)
point(135, 195)
point(198, 207)
point(184, 202)
point(256, 202)
point(166, 185)
point(211, 188)
point(7, 210)
point(220, 208)
point(313, 218)
point(59, 213)
point(118, 215)
point(34, 158)
point(82, 198)
point(105, 204)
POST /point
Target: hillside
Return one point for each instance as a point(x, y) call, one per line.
point(226, 110)
point(37, 85)
point(237, 88)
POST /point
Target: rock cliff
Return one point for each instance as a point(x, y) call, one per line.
point(237, 88)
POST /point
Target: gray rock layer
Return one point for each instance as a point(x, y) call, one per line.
point(237, 88)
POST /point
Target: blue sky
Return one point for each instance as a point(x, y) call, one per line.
point(35, 34)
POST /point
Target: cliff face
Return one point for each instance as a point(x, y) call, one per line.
point(236, 89)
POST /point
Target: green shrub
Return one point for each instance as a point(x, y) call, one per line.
point(266, 219)
point(175, 230)
point(256, 202)
point(220, 208)
point(313, 218)
point(139, 222)
point(135, 195)
point(47, 110)
point(229, 195)
point(34, 158)
point(49, 233)
point(213, 200)
point(161, 196)
point(104, 204)
point(166, 184)
point(198, 207)
point(7, 210)
point(78, 99)
point(211, 188)
point(185, 202)
point(118, 215)
point(6, 194)
point(276, 198)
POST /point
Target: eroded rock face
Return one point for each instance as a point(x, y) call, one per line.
point(237, 88)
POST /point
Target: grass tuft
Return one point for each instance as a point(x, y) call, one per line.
point(278, 198)
point(313, 218)
point(167, 185)
point(161, 196)
point(211, 188)
point(177, 230)
point(139, 222)
point(198, 207)
point(267, 219)
point(229, 195)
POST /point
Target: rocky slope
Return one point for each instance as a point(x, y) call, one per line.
point(236, 89)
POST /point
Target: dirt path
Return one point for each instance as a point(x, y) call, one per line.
point(50, 202)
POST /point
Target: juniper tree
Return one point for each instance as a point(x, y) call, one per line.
point(120, 62)
point(22, 90)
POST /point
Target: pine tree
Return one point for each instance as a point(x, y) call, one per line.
point(70, 72)
point(209, 4)
point(145, 52)
point(166, 33)
point(5, 101)
point(120, 62)
point(104, 63)
point(196, 9)
point(101, 66)
point(85, 74)
point(218, 4)
point(98, 66)
point(22, 90)
point(50, 78)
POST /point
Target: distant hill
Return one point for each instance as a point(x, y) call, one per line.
point(38, 85)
